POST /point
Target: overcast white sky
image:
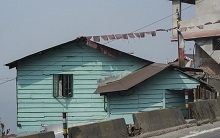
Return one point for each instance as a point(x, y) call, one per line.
point(29, 26)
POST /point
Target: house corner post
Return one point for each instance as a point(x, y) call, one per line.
point(164, 99)
point(64, 125)
point(187, 103)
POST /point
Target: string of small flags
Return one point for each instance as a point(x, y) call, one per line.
point(143, 34)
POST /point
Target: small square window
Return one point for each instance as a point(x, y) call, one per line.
point(62, 85)
point(216, 43)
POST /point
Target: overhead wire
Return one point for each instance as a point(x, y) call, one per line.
point(136, 31)
point(157, 21)
point(111, 40)
point(38, 69)
point(104, 44)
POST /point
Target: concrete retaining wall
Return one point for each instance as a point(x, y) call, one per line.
point(158, 119)
point(106, 129)
point(149, 121)
point(205, 110)
point(215, 104)
point(40, 135)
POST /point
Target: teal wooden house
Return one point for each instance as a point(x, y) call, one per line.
point(92, 82)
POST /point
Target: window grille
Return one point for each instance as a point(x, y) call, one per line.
point(62, 85)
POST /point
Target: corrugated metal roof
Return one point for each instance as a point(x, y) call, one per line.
point(204, 84)
point(105, 49)
point(140, 75)
point(132, 79)
point(187, 57)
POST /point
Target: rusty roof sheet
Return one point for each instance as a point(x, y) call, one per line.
point(142, 74)
point(132, 79)
point(104, 49)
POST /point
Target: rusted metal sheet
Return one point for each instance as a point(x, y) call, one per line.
point(103, 48)
point(181, 57)
point(200, 34)
point(181, 46)
point(142, 74)
point(132, 79)
point(187, 59)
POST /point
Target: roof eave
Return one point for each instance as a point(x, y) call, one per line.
point(11, 65)
point(115, 87)
point(210, 88)
point(15, 63)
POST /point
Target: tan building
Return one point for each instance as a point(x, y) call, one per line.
point(204, 30)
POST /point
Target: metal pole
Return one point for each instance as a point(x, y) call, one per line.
point(187, 103)
point(64, 125)
point(180, 50)
point(177, 23)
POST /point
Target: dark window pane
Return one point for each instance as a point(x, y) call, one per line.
point(67, 85)
point(216, 43)
point(55, 85)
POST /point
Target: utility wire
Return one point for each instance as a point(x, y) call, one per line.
point(136, 31)
point(7, 81)
point(164, 18)
point(5, 78)
point(37, 69)
point(157, 21)
point(105, 43)
point(111, 40)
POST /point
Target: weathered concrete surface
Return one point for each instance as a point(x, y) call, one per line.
point(9, 136)
point(215, 105)
point(190, 123)
point(201, 110)
point(40, 135)
point(106, 129)
point(215, 81)
point(158, 119)
point(204, 131)
point(160, 132)
point(207, 110)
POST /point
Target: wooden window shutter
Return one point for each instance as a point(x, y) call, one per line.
point(55, 85)
point(67, 85)
point(71, 86)
point(216, 43)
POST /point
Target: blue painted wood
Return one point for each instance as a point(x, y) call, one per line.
point(38, 107)
point(152, 94)
point(31, 128)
